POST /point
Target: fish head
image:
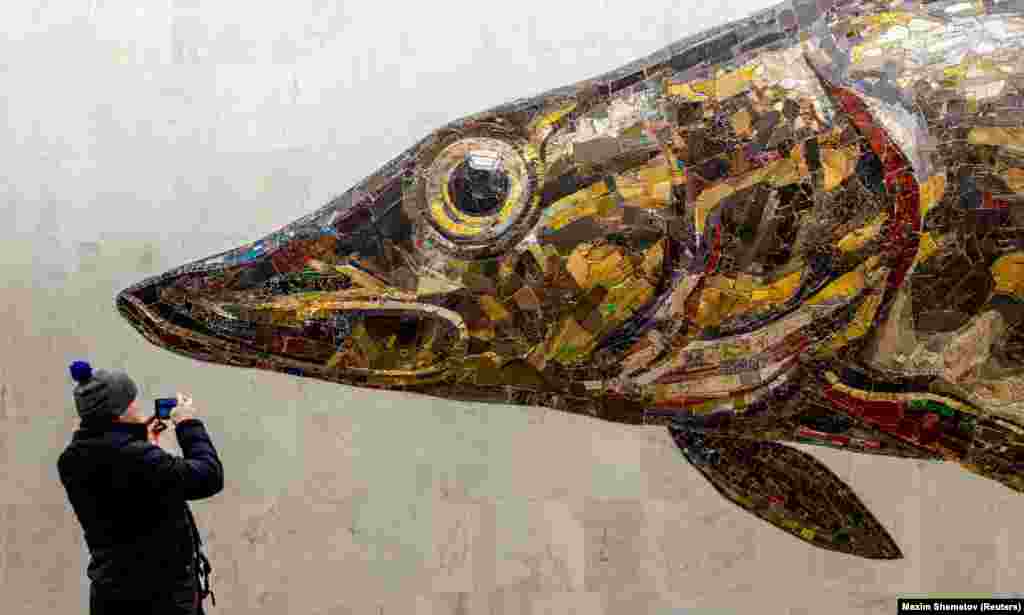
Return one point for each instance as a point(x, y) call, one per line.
point(553, 246)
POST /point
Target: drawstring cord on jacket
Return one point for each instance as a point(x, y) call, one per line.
point(203, 567)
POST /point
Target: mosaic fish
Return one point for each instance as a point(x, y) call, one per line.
point(801, 227)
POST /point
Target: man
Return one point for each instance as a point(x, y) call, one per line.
point(130, 497)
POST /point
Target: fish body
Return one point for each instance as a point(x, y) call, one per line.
point(798, 227)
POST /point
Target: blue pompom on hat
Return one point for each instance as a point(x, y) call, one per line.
point(81, 371)
point(101, 392)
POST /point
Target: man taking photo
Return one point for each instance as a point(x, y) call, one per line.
point(130, 497)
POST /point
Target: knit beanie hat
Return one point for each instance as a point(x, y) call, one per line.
point(103, 392)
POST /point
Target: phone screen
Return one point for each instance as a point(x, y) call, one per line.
point(164, 406)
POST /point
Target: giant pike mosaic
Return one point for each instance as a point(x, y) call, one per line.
point(806, 226)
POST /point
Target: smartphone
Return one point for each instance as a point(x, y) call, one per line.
point(163, 406)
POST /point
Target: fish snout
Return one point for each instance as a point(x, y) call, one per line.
point(165, 310)
point(294, 305)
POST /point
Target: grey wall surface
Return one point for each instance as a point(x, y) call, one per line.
point(140, 136)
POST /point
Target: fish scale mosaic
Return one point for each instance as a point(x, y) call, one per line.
point(806, 226)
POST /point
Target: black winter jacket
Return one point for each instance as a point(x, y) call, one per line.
point(130, 497)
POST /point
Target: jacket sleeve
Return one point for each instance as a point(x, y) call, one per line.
point(197, 475)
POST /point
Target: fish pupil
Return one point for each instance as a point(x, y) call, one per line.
point(478, 189)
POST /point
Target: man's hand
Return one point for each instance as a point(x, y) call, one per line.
point(183, 410)
point(153, 430)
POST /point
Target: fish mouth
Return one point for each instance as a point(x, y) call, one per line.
point(422, 342)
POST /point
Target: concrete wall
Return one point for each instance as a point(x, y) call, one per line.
point(143, 135)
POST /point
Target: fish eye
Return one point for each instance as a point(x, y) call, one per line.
point(478, 185)
point(475, 194)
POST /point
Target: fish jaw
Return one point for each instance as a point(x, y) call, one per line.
point(287, 303)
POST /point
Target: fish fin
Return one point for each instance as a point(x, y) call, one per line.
point(791, 490)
